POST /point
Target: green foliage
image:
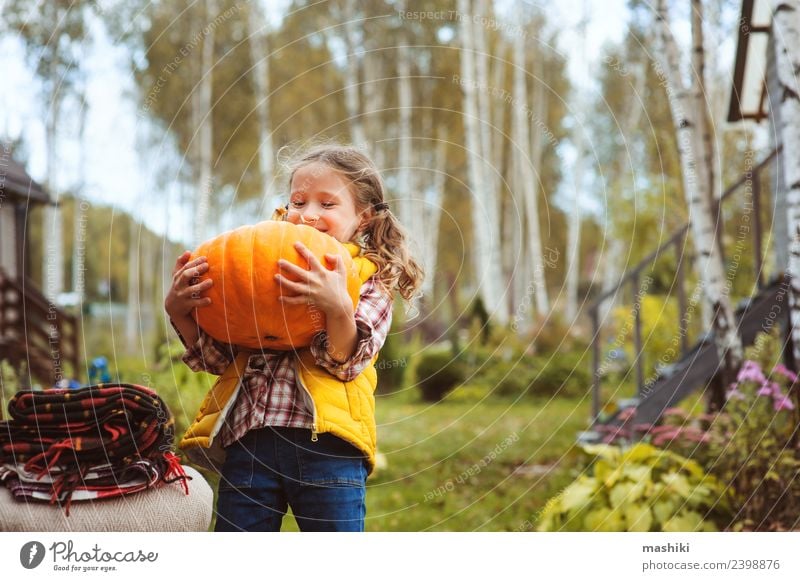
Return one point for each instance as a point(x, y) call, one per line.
point(639, 489)
point(438, 372)
point(554, 335)
point(754, 441)
point(506, 378)
point(660, 320)
point(420, 488)
point(392, 365)
point(9, 385)
point(563, 375)
point(751, 446)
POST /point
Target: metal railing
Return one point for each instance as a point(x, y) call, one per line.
point(677, 241)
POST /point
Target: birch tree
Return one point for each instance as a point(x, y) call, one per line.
point(685, 118)
point(133, 312)
point(527, 159)
point(201, 115)
point(431, 214)
point(574, 227)
point(578, 173)
point(79, 216)
point(404, 134)
point(51, 33)
point(786, 33)
point(374, 103)
point(351, 73)
point(485, 206)
point(259, 53)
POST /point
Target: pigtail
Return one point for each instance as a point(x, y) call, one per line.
point(386, 244)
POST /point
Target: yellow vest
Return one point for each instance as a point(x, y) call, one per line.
point(344, 408)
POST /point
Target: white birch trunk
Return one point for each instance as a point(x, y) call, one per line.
point(709, 260)
point(528, 160)
point(780, 232)
point(486, 243)
point(203, 104)
point(132, 321)
point(499, 109)
point(486, 128)
point(79, 211)
point(432, 212)
point(259, 54)
point(351, 85)
point(404, 136)
point(574, 230)
point(701, 105)
point(786, 33)
point(52, 246)
point(374, 102)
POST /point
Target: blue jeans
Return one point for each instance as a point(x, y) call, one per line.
point(271, 468)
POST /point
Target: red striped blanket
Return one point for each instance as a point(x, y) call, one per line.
point(97, 441)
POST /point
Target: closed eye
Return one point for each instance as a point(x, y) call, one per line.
point(297, 203)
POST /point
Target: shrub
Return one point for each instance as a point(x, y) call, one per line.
point(506, 378)
point(639, 489)
point(438, 372)
point(563, 374)
point(553, 335)
point(755, 441)
point(660, 331)
point(393, 362)
point(560, 375)
point(751, 446)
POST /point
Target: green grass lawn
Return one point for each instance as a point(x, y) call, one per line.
point(440, 473)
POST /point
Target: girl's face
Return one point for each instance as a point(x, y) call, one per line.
point(321, 198)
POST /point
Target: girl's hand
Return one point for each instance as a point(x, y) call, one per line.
point(184, 293)
point(323, 288)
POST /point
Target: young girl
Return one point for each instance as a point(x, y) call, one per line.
point(282, 450)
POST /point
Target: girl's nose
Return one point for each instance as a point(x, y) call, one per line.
point(309, 219)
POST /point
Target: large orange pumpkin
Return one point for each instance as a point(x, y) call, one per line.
point(245, 309)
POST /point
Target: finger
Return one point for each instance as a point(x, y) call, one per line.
point(292, 269)
point(199, 303)
point(193, 272)
point(312, 260)
point(184, 264)
point(293, 300)
point(289, 285)
point(196, 289)
point(181, 261)
point(336, 261)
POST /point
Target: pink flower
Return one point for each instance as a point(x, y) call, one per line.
point(769, 389)
point(786, 372)
point(783, 403)
point(751, 371)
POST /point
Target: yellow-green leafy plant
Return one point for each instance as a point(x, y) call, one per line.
point(639, 489)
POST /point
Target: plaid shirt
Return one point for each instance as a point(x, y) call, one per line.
point(269, 394)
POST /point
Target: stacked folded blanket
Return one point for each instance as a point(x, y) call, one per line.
point(94, 442)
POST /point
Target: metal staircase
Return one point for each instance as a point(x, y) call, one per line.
point(699, 365)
